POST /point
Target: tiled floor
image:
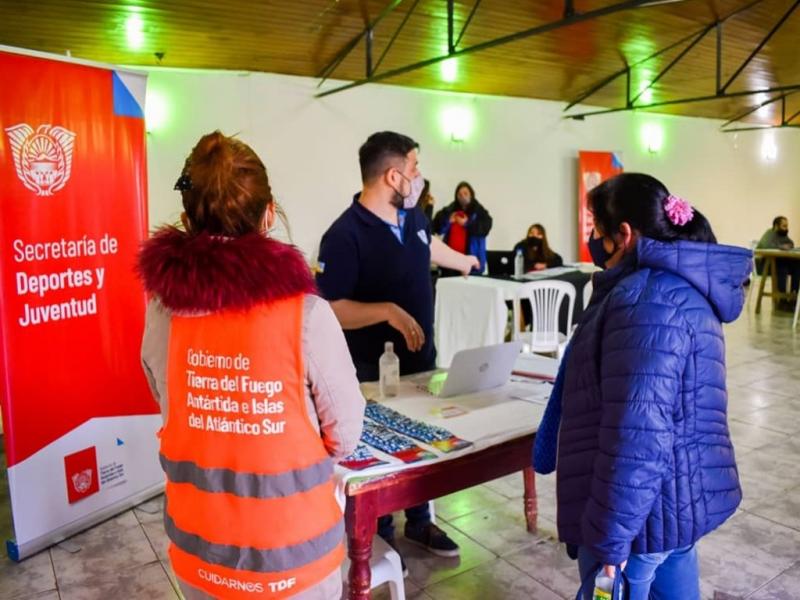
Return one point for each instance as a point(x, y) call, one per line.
point(756, 554)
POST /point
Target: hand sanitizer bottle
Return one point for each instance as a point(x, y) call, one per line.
point(389, 371)
point(519, 265)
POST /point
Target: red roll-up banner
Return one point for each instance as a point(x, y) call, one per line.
point(80, 423)
point(593, 169)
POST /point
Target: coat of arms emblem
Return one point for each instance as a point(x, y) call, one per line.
point(43, 158)
point(82, 481)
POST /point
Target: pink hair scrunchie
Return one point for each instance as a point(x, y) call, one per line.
point(678, 210)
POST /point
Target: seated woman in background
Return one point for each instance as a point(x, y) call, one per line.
point(536, 250)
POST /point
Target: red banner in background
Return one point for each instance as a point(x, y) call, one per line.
point(593, 169)
point(76, 407)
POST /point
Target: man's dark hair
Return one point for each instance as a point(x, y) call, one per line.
point(380, 148)
point(777, 221)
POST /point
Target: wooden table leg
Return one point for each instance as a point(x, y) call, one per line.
point(361, 525)
point(765, 270)
point(531, 503)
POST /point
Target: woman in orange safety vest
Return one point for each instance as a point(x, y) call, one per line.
point(258, 393)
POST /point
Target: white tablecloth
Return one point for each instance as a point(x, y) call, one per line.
point(470, 313)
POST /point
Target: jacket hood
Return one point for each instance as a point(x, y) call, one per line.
point(718, 272)
point(198, 273)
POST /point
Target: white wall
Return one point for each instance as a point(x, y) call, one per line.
point(520, 157)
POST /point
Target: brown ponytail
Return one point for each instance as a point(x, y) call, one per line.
point(224, 187)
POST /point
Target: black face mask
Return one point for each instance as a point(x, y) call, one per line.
point(534, 243)
point(598, 251)
point(783, 232)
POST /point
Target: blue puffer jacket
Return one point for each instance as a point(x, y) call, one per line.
point(645, 460)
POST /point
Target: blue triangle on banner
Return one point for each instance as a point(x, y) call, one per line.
point(120, 442)
point(125, 105)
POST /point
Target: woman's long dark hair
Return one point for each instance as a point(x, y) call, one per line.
point(638, 199)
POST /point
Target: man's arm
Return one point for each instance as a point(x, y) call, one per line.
point(444, 256)
point(355, 315)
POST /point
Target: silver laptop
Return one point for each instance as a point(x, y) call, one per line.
point(479, 369)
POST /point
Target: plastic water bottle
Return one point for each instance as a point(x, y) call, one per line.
point(389, 371)
point(519, 264)
point(603, 586)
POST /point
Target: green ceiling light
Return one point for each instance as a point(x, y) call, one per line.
point(134, 31)
point(646, 92)
point(457, 122)
point(653, 137)
point(156, 111)
point(449, 70)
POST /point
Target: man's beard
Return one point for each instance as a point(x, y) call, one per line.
point(397, 201)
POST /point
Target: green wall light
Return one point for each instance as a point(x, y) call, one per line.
point(653, 137)
point(156, 111)
point(457, 122)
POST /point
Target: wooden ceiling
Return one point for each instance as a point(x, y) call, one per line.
point(301, 37)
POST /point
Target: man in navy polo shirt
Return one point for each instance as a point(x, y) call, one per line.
point(374, 269)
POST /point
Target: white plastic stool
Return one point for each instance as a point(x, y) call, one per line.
point(385, 566)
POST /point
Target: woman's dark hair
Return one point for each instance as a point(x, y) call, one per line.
point(638, 199)
point(460, 185)
point(543, 253)
point(425, 195)
point(224, 187)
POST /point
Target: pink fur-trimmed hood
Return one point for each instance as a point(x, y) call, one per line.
point(204, 273)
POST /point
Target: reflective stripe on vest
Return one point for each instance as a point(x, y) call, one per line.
point(248, 485)
point(255, 559)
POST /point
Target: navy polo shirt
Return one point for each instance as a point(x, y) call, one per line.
point(361, 259)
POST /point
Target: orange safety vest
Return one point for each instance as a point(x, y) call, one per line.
point(250, 508)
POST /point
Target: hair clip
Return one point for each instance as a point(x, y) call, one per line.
point(184, 183)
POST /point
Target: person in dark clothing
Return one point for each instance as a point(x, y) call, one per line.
point(464, 225)
point(637, 427)
point(426, 201)
point(374, 269)
point(536, 250)
point(777, 238)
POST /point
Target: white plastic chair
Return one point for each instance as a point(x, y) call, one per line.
point(587, 293)
point(385, 565)
point(386, 568)
point(546, 298)
point(755, 279)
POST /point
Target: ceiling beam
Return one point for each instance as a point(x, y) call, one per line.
point(763, 42)
point(750, 111)
point(674, 62)
point(328, 69)
point(606, 111)
point(394, 36)
point(520, 35)
point(468, 21)
point(603, 83)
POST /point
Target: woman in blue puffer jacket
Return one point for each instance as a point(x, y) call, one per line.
point(645, 464)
